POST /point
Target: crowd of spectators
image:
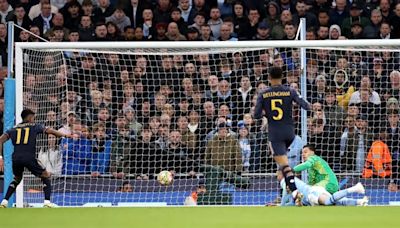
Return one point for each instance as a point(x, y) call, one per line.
point(139, 114)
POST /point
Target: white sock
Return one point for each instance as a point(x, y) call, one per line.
point(47, 202)
point(4, 201)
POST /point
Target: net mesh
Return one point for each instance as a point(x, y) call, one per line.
point(137, 112)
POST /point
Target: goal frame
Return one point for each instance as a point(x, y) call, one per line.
point(302, 44)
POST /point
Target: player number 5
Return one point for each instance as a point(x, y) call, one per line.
point(26, 135)
point(274, 107)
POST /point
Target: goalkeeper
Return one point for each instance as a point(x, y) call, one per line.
point(317, 195)
point(319, 172)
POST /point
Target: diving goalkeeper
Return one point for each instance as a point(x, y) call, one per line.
point(319, 172)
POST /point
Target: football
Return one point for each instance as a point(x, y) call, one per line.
point(165, 178)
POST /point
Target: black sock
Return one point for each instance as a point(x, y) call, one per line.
point(289, 178)
point(11, 189)
point(46, 188)
point(290, 183)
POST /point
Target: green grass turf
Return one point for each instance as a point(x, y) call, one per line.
point(204, 217)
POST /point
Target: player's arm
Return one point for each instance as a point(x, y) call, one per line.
point(3, 139)
point(303, 166)
point(258, 111)
point(51, 131)
point(299, 100)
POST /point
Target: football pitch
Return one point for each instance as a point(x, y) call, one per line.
point(204, 217)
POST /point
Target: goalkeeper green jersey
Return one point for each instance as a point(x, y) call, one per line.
point(319, 173)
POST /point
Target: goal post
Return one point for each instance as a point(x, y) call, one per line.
point(73, 188)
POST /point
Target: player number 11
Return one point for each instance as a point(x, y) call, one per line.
point(274, 107)
point(26, 135)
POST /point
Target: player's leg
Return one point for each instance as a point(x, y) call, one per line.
point(352, 202)
point(18, 170)
point(334, 198)
point(279, 151)
point(39, 171)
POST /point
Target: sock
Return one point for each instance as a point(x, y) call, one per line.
point(289, 177)
point(4, 201)
point(347, 202)
point(291, 183)
point(46, 188)
point(336, 197)
point(47, 202)
point(11, 189)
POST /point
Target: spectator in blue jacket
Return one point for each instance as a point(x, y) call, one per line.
point(101, 151)
point(76, 152)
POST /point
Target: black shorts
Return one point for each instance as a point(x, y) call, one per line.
point(33, 165)
point(280, 148)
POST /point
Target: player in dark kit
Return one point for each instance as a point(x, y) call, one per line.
point(277, 101)
point(23, 137)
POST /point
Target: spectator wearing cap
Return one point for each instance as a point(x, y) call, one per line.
point(215, 22)
point(392, 104)
point(263, 32)
point(119, 18)
point(352, 147)
point(176, 17)
point(385, 31)
point(365, 85)
point(301, 12)
point(356, 31)
point(224, 150)
point(371, 31)
point(355, 15)
point(339, 13)
point(334, 114)
point(334, 32)
point(68, 123)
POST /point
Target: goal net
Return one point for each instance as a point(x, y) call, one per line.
point(138, 111)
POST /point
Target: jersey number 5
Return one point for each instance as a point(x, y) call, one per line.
point(274, 107)
point(19, 133)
